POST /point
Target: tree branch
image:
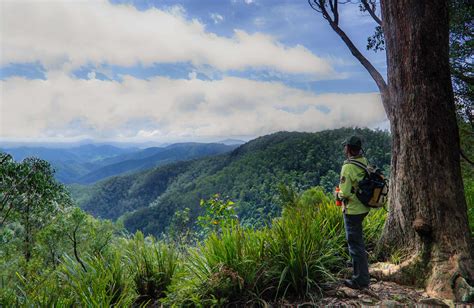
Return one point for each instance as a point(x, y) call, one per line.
point(6, 214)
point(459, 75)
point(466, 158)
point(333, 7)
point(381, 84)
point(314, 6)
point(371, 11)
point(75, 249)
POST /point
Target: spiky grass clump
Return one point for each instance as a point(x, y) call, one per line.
point(225, 268)
point(373, 226)
point(292, 258)
point(153, 265)
point(305, 246)
point(103, 283)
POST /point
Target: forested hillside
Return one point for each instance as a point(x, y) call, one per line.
point(249, 175)
point(90, 163)
point(152, 157)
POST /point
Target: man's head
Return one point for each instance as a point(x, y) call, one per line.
point(352, 146)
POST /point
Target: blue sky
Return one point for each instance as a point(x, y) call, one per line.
point(180, 70)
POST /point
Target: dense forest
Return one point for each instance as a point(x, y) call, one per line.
point(55, 254)
point(220, 250)
point(249, 175)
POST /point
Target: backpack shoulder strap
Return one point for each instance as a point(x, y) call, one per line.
point(358, 164)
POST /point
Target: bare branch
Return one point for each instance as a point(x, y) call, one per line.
point(336, 13)
point(314, 6)
point(75, 249)
point(371, 9)
point(379, 80)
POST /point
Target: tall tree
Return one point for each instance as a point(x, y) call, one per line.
point(428, 213)
point(30, 195)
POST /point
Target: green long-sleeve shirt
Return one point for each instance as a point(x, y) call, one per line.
point(350, 177)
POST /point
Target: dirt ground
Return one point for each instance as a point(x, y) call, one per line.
point(381, 294)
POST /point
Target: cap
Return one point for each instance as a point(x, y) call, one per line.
point(353, 141)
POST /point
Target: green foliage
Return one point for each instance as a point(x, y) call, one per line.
point(218, 213)
point(329, 181)
point(225, 268)
point(179, 230)
point(460, 58)
point(153, 265)
point(376, 42)
point(249, 175)
point(306, 245)
point(104, 284)
point(469, 193)
point(293, 257)
point(77, 260)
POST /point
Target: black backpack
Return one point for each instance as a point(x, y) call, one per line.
point(372, 190)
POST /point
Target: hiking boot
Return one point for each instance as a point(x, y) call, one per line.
point(353, 285)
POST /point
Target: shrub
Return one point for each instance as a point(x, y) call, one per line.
point(152, 265)
point(294, 257)
point(305, 246)
point(226, 267)
point(104, 284)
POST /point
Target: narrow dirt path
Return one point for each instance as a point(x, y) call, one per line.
point(380, 294)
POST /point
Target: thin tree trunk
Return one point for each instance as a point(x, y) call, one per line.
point(27, 251)
point(428, 214)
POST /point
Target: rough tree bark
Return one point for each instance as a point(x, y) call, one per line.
point(427, 218)
point(428, 212)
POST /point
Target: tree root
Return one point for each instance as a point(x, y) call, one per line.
point(442, 281)
point(403, 273)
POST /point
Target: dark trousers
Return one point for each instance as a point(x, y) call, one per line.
point(355, 241)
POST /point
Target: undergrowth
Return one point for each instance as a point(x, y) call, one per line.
point(292, 258)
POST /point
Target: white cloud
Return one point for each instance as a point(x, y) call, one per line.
point(217, 18)
point(69, 34)
point(248, 1)
point(192, 75)
point(166, 109)
point(91, 75)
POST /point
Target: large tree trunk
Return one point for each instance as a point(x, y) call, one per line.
point(428, 213)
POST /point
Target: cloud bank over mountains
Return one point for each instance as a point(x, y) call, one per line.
point(66, 36)
point(164, 108)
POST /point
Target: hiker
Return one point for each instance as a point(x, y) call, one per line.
point(354, 212)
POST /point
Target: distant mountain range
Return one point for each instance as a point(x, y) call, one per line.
point(152, 157)
point(89, 163)
point(249, 175)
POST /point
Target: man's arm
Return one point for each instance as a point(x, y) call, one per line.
point(345, 183)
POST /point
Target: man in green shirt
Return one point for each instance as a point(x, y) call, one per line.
point(354, 213)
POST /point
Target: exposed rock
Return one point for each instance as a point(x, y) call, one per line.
point(347, 292)
point(463, 291)
point(432, 302)
point(390, 304)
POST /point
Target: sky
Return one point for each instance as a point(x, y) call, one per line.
point(189, 70)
